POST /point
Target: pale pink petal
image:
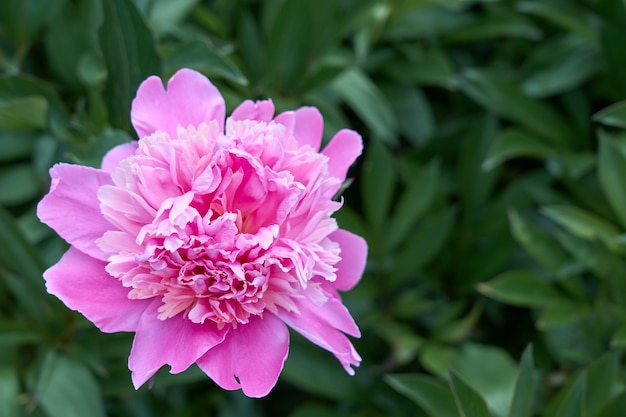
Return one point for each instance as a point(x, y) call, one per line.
point(176, 341)
point(72, 208)
point(353, 259)
point(306, 124)
point(342, 151)
point(113, 158)
point(81, 282)
point(319, 324)
point(251, 357)
point(262, 111)
point(190, 99)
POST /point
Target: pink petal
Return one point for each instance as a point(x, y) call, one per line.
point(72, 208)
point(177, 342)
point(320, 325)
point(353, 259)
point(113, 158)
point(262, 111)
point(251, 357)
point(81, 282)
point(190, 99)
point(342, 151)
point(305, 124)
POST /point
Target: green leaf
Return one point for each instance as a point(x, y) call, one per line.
point(415, 118)
point(492, 373)
point(520, 288)
point(9, 392)
point(515, 143)
point(427, 240)
point(573, 404)
point(426, 22)
point(540, 245)
point(199, 56)
point(433, 397)
point(505, 98)
point(568, 16)
point(67, 389)
point(612, 172)
point(562, 313)
point(614, 408)
point(583, 224)
point(18, 184)
point(14, 145)
point(468, 402)
point(378, 182)
point(23, 114)
point(368, 102)
point(427, 66)
point(166, 15)
point(602, 377)
point(522, 402)
point(561, 65)
point(412, 204)
point(20, 256)
point(614, 115)
point(130, 56)
point(71, 35)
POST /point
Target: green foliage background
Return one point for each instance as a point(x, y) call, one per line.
point(491, 193)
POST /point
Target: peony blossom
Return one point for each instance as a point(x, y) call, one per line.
point(209, 239)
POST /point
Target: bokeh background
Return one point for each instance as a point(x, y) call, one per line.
point(492, 192)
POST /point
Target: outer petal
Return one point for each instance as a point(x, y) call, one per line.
point(113, 158)
point(177, 342)
point(251, 357)
point(81, 282)
point(353, 259)
point(262, 111)
point(319, 324)
point(190, 99)
point(72, 208)
point(306, 124)
point(342, 151)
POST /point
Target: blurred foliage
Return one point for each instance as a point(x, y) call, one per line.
point(491, 193)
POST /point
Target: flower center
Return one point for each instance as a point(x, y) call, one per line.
point(218, 227)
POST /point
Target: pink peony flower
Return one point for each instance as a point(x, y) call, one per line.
point(208, 241)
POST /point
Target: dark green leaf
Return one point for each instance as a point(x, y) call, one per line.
point(612, 172)
point(433, 397)
point(9, 391)
point(573, 404)
point(23, 114)
point(602, 377)
point(427, 240)
point(413, 203)
point(583, 224)
point(378, 186)
point(614, 115)
point(198, 55)
point(18, 184)
point(468, 402)
point(569, 16)
point(522, 403)
point(14, 145)
point(368, 102)
point(130, 56)
point(614, 408)
point(67, 389)
point(520, 288)
point(415, 119)
point(491, 373)
point(561, 65)
point(503, 97)
point(539, 244)
point(514, 143)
